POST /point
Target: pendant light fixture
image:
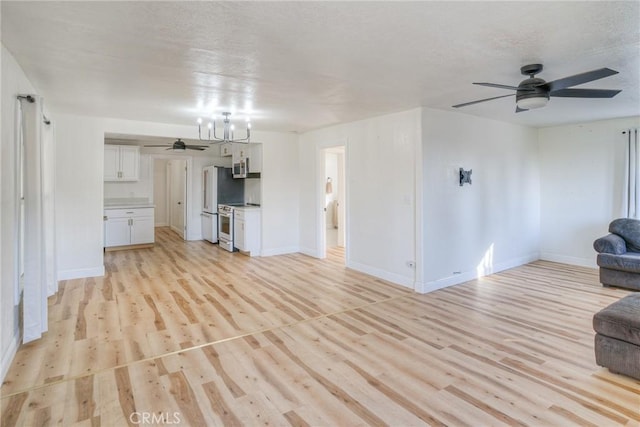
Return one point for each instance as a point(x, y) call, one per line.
point(227, 131)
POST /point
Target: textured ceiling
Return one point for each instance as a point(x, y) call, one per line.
point(298, 66)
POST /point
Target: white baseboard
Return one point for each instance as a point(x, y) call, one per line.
point(382, 274)
point(9, 354)
point(161, 224)
point(81, 273)
point(177, 230)
point(564, 259)
point(466, 276)
point(194, 236)
point(280, 251)
point(309, 251)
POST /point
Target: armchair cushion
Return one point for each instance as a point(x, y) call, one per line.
point(629, 230)
point(620, 320)
point(629, 262)
point(610, 244)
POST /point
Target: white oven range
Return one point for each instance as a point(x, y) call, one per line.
point(225, 227)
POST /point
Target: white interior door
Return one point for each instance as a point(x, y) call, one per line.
point(341, 198)
point(177, 171)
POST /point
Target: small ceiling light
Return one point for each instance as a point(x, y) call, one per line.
point(532, 103)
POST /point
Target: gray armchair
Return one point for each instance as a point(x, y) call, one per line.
point(619, 254)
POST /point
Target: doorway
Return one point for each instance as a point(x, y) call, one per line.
point(176, 196)
point(334, 224)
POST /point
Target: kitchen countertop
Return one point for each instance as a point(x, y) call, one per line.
point(134, 202)
point(247, 207)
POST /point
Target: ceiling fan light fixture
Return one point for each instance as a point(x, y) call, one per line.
point(531, 103)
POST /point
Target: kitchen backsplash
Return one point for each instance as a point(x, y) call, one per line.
point(252, 190)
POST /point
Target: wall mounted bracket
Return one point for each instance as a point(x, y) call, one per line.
point(465, 176)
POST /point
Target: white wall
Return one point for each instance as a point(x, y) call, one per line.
point(79, 196)
point(79, 190)
point(14, 82)
point(280, 196)
point(492, 224)
point(380, 165)
point(582, 169)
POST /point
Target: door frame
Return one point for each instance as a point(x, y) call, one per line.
point(321, 217)
point(188, 204)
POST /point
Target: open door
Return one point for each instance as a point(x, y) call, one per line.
point(334, 200)
point(177, 188)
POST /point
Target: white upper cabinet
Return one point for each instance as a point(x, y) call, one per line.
point(226, 149)
point(239, 152)
point(255, 154)
point(111, 162)
point(130, 163)
point(121, 163)
point(251, 153)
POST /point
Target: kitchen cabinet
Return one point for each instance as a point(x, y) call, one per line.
point(226, 149)
point(251, 154)
point(121, 163)
point(123, 227)
point(239, 152)
point(246, 230)
point(255, 154)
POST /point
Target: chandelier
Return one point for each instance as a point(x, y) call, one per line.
point(227, 132)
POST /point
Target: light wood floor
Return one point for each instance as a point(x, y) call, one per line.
point(195, 336)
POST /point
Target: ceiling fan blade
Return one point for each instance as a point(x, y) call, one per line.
point(585, 93)
point(497, 85)
point(164, 145)
point(194, 147)
point(481, 100)
point(520, 110)
point(579, 79)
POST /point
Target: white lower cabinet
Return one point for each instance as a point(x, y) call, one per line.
point(124, 227)
point(246, 230)
point(117, 231)
point(142, 230)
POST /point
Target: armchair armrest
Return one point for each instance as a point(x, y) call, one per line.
point(610, 244)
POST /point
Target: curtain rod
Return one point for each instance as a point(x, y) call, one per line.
point(31, 100)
